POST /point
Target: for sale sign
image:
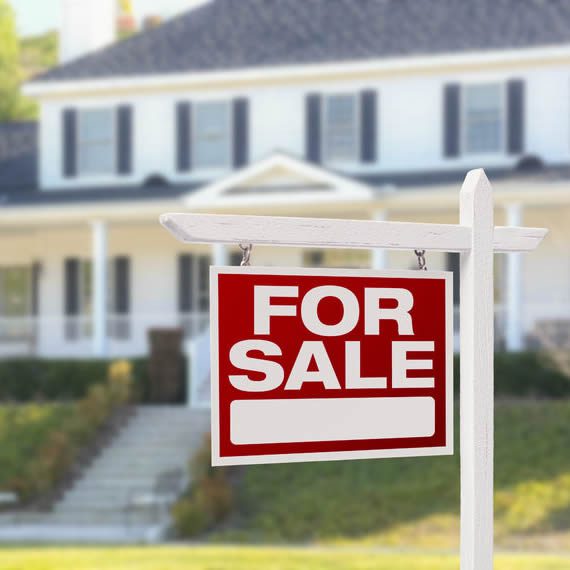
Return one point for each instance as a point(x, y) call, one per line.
point(322, 364)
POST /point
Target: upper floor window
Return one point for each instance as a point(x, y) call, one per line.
point(340, 128)
point(483, 118)
point(211, 135)
point(96, 141)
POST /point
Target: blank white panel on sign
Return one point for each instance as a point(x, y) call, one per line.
point(330, 419)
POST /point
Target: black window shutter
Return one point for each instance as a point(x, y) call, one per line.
point(368, 126)
point(185, 283)
point(122, 285)
point(183, 136)
point(515, 116)
point(241, 132)
point(451, 120)
point(125, 139)
point(313, 128)
point(69, 143)
point(71, 301)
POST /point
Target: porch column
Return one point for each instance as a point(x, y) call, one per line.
point(219, 254)
point(379, 255)
point(99, 287)
point(513, 288)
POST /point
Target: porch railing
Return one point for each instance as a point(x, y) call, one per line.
point(17, 329)
point(27, 333)
point(72, 335)
point(122, 327)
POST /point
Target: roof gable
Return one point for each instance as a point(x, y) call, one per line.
point(242, 34)
point(280, 178)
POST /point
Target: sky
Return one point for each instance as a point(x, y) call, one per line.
point(37, 16)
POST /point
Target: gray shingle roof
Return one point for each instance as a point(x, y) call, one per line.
point(18, 156)
point(234, 34)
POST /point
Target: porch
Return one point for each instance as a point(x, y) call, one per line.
point(90, 279)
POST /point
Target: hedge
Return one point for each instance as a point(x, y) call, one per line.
point(32, 379)
point(36, 475)
point(525, 374)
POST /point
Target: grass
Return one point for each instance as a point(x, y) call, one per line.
point(222, 558)
point(415, 502)
point(23, 431)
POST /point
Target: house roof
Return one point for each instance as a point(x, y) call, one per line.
point(18, 156)
point(237, 34)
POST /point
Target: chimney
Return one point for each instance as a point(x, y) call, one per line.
point(86, 26)
point(151, 21)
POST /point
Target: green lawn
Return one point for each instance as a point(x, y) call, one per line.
point(415, 502)
point(23, 430)
point(222, 558)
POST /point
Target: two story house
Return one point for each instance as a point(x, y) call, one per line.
point(369, 109)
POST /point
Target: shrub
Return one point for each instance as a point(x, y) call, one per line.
point(56, 453)
point(120, 382)
point(190, 517)
point(525, 374)
point(29, 379)
point(216, 497)
point(24, 431)
point(210, 499)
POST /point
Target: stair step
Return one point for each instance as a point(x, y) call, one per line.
point(154, 440)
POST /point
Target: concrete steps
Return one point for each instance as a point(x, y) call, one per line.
point(96, 509)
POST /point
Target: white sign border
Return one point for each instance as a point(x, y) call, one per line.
point(447, 449)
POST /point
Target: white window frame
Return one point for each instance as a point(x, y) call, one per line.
point(357, 129)
point(113, 142)
point(194, 138)
point(503, 118)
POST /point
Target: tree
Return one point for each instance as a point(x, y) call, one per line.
point(11, 104)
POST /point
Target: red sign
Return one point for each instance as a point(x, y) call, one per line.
point(323, 364)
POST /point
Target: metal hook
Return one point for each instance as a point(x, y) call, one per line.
point(421, 254)
point(246, 249)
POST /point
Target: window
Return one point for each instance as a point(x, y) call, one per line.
point(15, 291)
point(86, 288)
point(313, 258)
point(483, 118)
point(85, 302)
point(211, 135)
point(340, 128)
point(15, 302)
point(194, 292)
point(96, 141)
point(79, 322)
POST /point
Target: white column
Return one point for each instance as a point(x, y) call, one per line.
point(513, 288)
point(219, 254)
point(99, 254)
point(378, 254)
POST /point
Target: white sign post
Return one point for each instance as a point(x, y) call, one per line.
point(476, 239)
